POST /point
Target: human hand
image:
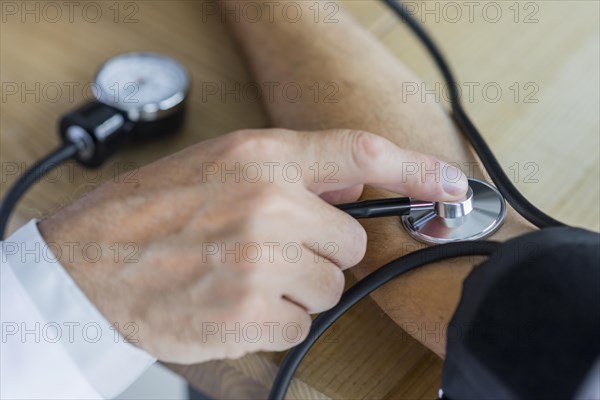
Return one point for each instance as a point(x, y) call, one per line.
point(235, 242)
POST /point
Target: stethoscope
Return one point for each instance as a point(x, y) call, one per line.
point(477, 216)
point(143, 95)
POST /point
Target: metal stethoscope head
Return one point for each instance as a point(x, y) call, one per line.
point(477, 216)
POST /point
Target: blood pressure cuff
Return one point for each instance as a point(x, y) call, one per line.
point(528, 323)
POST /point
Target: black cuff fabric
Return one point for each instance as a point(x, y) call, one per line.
point(528, 323)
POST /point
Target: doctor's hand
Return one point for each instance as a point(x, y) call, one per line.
point(226, 247)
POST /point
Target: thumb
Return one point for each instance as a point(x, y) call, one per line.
point(365, 158)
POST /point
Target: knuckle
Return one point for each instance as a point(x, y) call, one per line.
point(353, 247)
point(265, 204)
point(253, 142)
point(334, 287)
point(291, 332)
point(290, 329)
point(328, 287)
point(366, 148)
point(236, 141)
point(269, 200)
point(304, 323)
point(358, 243)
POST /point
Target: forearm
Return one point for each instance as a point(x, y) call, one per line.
point(370, 82)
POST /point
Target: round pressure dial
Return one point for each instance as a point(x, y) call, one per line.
point(147, 86)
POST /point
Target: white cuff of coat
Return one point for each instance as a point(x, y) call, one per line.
point(103, 357)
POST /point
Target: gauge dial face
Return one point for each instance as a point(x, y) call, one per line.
point(142, 84)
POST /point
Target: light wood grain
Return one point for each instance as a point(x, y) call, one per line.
point(366, 355)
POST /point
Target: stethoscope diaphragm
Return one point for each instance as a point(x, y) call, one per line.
point(481, 215)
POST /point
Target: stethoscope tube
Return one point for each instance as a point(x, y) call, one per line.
point(377, 208)
point(385, 207)
point(362, 289)
point(43, 166)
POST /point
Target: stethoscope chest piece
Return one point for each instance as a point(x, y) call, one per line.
point(480, 215)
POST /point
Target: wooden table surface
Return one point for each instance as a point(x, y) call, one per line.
point(533, 71)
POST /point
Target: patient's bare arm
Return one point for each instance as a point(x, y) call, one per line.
point(325, 57)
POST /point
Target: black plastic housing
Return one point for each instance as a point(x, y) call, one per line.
point(110, 128)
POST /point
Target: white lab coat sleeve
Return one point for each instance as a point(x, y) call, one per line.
point(55, 343)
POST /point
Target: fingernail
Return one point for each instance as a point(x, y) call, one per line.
point(454, 182)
